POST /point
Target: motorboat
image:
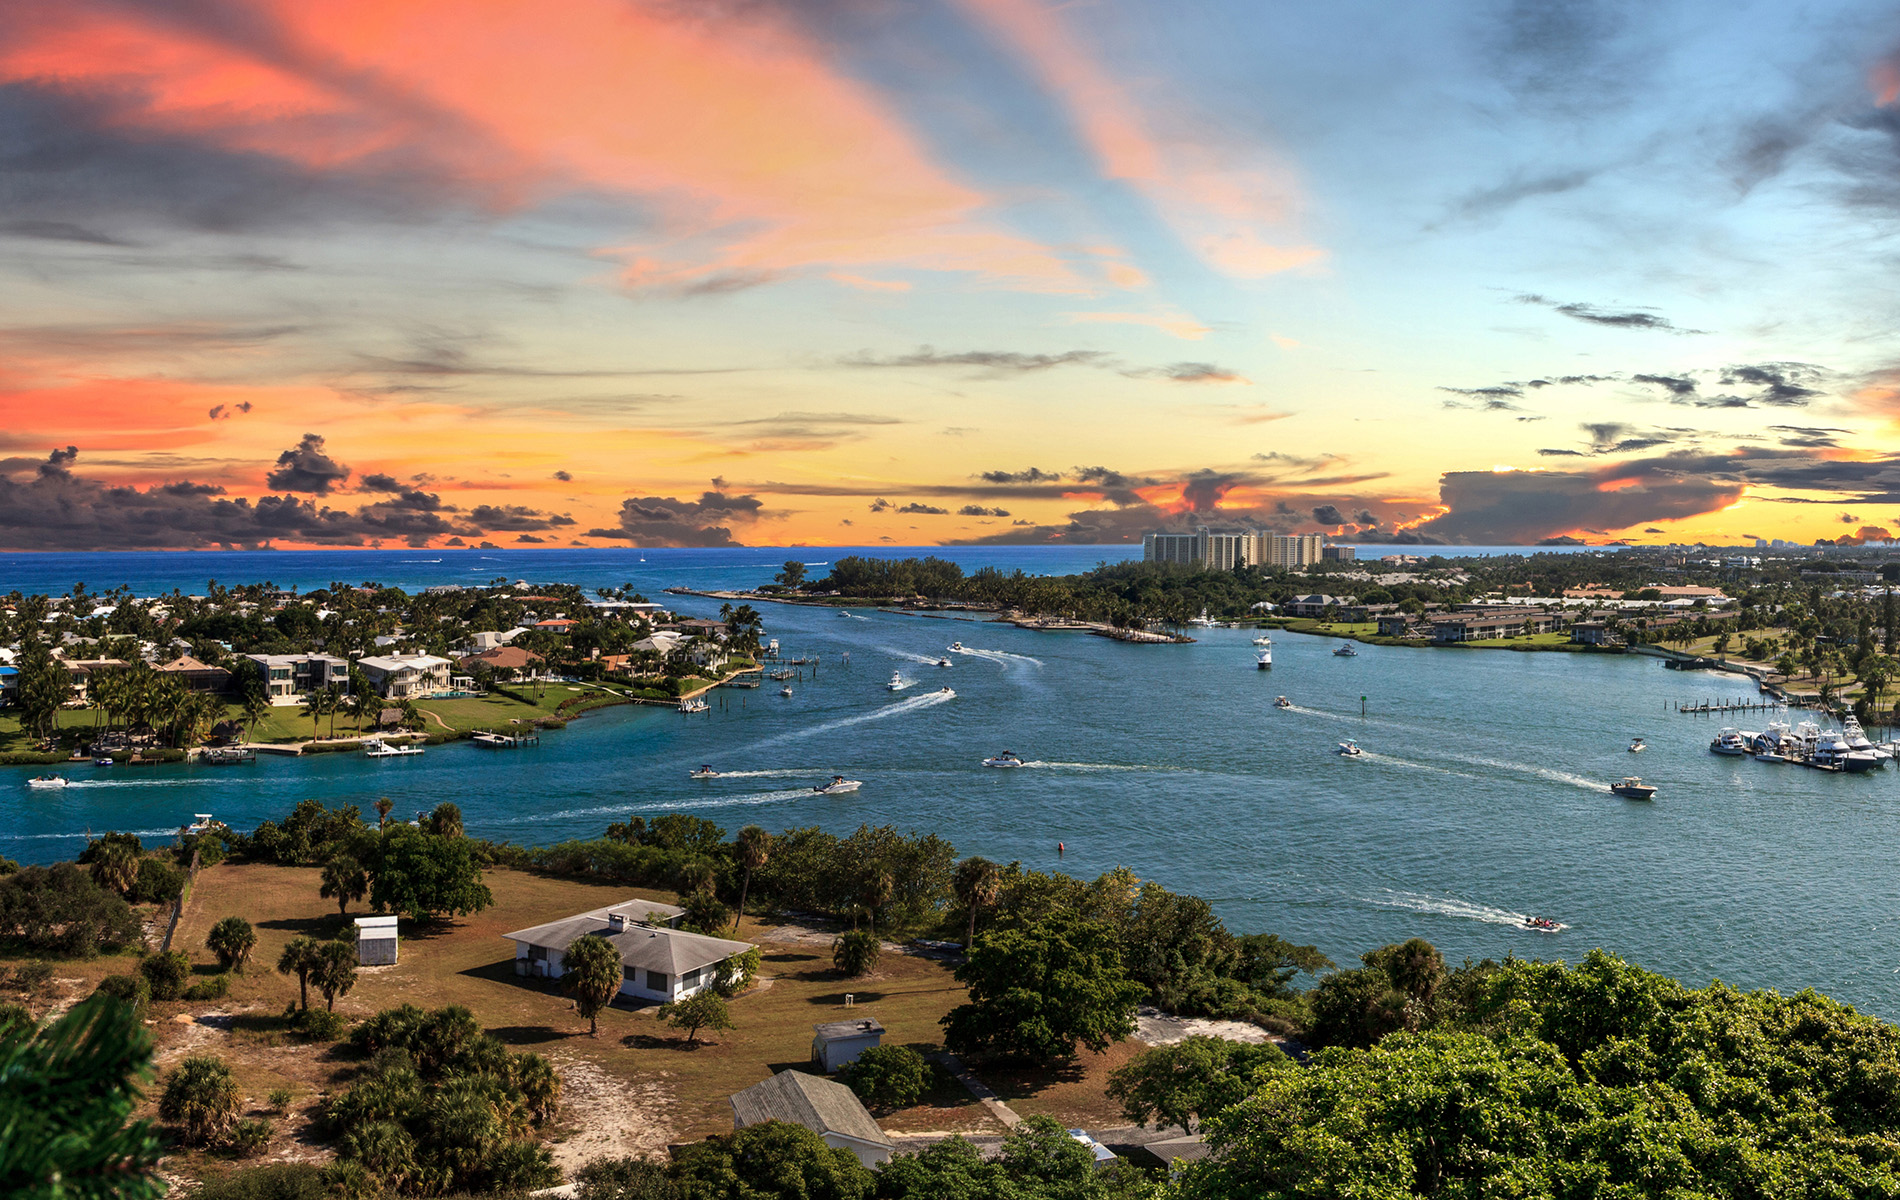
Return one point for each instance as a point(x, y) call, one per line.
point(1831, 753)
point(705, 772)
point(201, 823)
point(1007, 758)
point(838, 785)
point(943, 662)
point(1263, 640)
point(1346, 651)
point(957, 646)
point(1632, 788)
point(898, 683)
point(1729, 742)
point(1857, 739)
point(1638, 745)
point(1544, 925)
point(104, 760)
point(378, 748)
point(1203, 621)
point(1263, 661)
point(944, 691)
point(1282, 702)
point(696, 705)
point(843, 613)
point(48, 781)
point(1350, 748)
point(785, 691)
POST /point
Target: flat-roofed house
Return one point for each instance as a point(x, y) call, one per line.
point(835, 1043)
point(830, 1110)
point(658, 962)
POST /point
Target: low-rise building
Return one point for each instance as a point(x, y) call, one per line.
point(830, 1110)
point(1474, 627)
point(1315, 605)
point(507, 662)
point(287, 677)
point(198, 676)
point(835, 1043)
point(658, 962)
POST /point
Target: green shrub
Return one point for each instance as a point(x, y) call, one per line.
point(15, 1016)
point(160, 881)
point(887, 1077)
point(856, 953)
point(624, 1179)
point(32, 976)
point(212, 987)
point(61, 909)
point(280, 1181)
point(319, 1024)
point(248, 1137)
point(168, 972)
point(279, 1099)
point(133, 989)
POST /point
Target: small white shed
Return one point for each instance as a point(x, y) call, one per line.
point(376, 941)
point(835, 1043)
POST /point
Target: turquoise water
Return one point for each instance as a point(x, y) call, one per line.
point(1481, 795)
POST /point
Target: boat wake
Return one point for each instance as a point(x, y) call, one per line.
point(140, 783)
point(1444, 906)
point(1408, 764)
point(608, 810)
point(1003, 657)
point(1565, 777)
point(778, 771)
point(35, 837)
point(927, 660)
point(928, 700)
point(1080, 766)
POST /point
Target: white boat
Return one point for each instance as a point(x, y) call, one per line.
point(1637, 745)
point(1831, 753)
point(943, 662)
point(201, 823)
point(839, 784)
point(1544, 925)
point(1350, 748)
point(898, 683)
point(945, 692)
point(1857, 739)
point(1282, 702)
point(1729, 742)
point(695, 705)
point(47, 781)
point(1263, 661)
point(843, 613)
point(957, 646)
point(785, 691)
point(1632, 788)
point(1263, 640)
point(1006, 759)
point(705, 772)
point(1346, 651)
point(378, 748)
point(1202, 622)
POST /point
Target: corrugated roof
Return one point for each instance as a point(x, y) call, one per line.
point(800, 1099)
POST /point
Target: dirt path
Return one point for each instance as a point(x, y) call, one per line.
point(611, 1118)
point(1164, 1029)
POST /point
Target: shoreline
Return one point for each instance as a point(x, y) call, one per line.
point(997, 615)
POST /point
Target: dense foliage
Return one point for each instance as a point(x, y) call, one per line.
point(60, 909)
point(1194, 1078)
point(886, 1078)
point(1038, 989)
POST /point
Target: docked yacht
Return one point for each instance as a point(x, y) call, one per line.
point(1632, 788)
point(898, 683)
point(1830, 752)
point(1857, 740)
point(48, 781)
point(1282, 702)
point(1729, 742)
point(378, 748)
point(838, 785)
point(1350, 749)
point(1203, 621)
point(1263, 661)
point(1007, 758)
point(1346, 651)
point(705, 772)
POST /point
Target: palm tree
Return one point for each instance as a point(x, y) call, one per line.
point(539, 1084)
point(300, 959)
point(232, 940)
point(116, 867)
point(446, 820)
point(333, 700)
point(335, 971)
point(256, 707)
point(875, 894)
point(202, 1096)
point(382, 806)
point(754, 849)
point(591, 970)
point(344, 880)
point(977, 883)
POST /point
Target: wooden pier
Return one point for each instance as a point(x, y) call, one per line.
point(504, 741)
point(1730, 706)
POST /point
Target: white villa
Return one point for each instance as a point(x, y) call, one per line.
point(406, 676)
point(658, 962)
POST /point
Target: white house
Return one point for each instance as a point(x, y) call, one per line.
point(404, 676)
point(490, 639)
point(658, 962)
point(289, 677)
point(835, 1043)
point(830, 1110)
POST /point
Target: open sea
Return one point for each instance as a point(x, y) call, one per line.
point(1481, 797)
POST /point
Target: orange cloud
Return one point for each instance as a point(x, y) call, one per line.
point(1217, 206)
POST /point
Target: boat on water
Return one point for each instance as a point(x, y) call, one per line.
point(378, 748)
point(838, 785)
point(696, 705)
point(1858, 741)
point(1346, 651)
point(943, 662)
point(1638, 745)
point(1350, 748)
point(957, 646)
point(1263, 640)
point(704, 772)
point(1007, 758)
point(47, 781)
point(218, 756)
point(1263, 661)
point(785, 691)
point(1632, 788)
point(1282, 702)
point(201, 823)
point(1203, 621)
point(944, 691)
point(1729, 742)
point(1544, 925)
point(104, 760)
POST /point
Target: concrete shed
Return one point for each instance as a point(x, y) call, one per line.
point(376, 941)
point(835, 1043)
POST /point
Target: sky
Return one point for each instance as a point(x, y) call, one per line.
point(849, 272)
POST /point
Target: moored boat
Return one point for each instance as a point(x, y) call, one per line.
point(1263, 661)
point(378, 748)
point(696, 705)
point(1263, 640)
point(1729, 742)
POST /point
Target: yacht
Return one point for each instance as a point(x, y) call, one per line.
point(378, 748)
point(1346, 651)
point(705, 772)
point(1857, 739)
point(1007, 758)
point(838, 785)
point(1632, 788)
point(1774, 744)
point(696, 705)
point(1638, 745)
point(1203, 621)
point(201, 823)
point(1350, 748)
point(1263, 661)
point(1282, 702)
point(1729, 742)
point(47, 781)
point(898, 683)
point(1263, 640)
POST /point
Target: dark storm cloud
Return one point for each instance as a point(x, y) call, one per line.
point(1525, 507)
point(1032, 475)
point(379, 483)
point(1782, 384)
point(665, 521)
point(563, 476)
point(1593, 315)
point(306, 468)
point(512, 518)
point(528, 539)
point(1327, 514)
point(977, 510)
point(923, 510)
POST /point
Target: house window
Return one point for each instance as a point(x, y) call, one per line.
point(656, 981)
point(538, 953)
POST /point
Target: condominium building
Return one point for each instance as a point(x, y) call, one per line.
point(1292, 550)
point(1226, 550)
point(1182, 548)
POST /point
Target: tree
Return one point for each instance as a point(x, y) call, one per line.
point(344, 880)
point(232, 940)
point(887, 1077)
point(445, 820)
point(704, 1009)
point(791, 575)
point(299, 958)
point(1038, 989)
point(201, 1097)
point(383, 806)
point(44, 685)
point(168, 972)
point(114, 858)
point(856, 952)
point(592, 971)
point(424, 876)
point(334, 971)
point(1191, 1080)
point(65, 1110)
point(976, 884)
point(704, 913)
point(753, 849)
point(624, 1179)
point(774, 1159)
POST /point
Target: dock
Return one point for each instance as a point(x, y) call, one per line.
point(1730, 706)
point(504, 741)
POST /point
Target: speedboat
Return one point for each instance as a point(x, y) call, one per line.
point(1632, 788)
point(838, 785)
point(705, 772)
point(1544, 925)
point(378, 748)
point(945, 692)
point(47, 781)
point(1350, 748)
point(201, 823)
point(785, 691)
point(898, 683)
point(1006, 759)
point(1729, 742)
point(943, 662)
point(1282, 702)
point(104, 760)
point(1263, 640)
point(1346, 651)
point(1263, 661)
point(1637, 745)
point(843, 613)
point(958, 646)
point(1857, 739)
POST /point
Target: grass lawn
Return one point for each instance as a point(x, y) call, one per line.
point(1336, 628)
point(1535, 639)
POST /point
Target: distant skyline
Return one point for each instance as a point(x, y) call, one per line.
point(860, 272)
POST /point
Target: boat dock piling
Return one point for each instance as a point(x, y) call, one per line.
point(1728, 706)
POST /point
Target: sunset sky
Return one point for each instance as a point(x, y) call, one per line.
point(696, 272)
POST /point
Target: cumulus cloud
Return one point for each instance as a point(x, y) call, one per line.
point(378, 482)
point(1327, 514)
point(306, 468)
point(879, 505)
point(1638, 318)
point(977, 510)
point(1525, 507)
point(1032, 475)
point(665, 521)
point(923, 510)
